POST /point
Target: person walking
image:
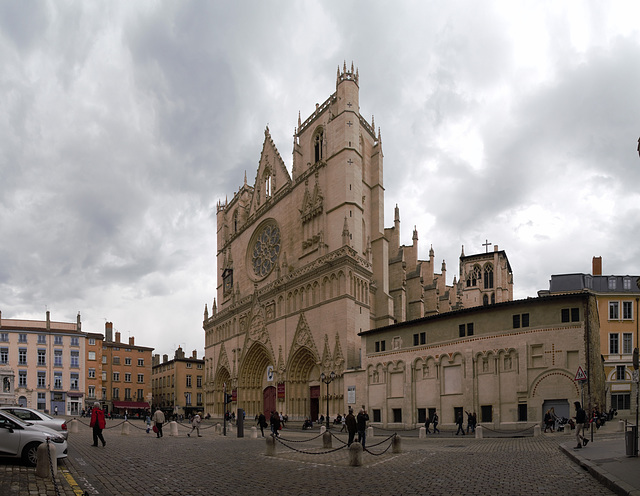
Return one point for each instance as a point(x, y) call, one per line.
point(361, 422)
point(434, 421)
point(344, 423)
point(459, 422)
point(98, 423)
point(352, 426)
point(158, 418)
point(195, 425)
point(581, 420)
point(427, 422)
point(262, 422)
point(275, 424)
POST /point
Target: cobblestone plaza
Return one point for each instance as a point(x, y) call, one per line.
point(141, 464)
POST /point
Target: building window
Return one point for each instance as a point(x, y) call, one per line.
point(116, 376)
point(416, 340)
point(116, 393)
point(42, 379)
point(127, 360)
point(92, 341)
point(42, 357)
point(57, 358)
point(620, 373)
point(376, 415)
point(92, 373)
point(42, 401)
point(516, 321)
point(116, 360)
point(461, 330)
point(380, 346)
point(22, 338)
point(75, 342)
point(188, 381)
point(614, 313)
point(627, 310)
point(565, 315)
point(522, 412)
point(4, 337)
point(488, 276)
point(140, 394)
point(127, 393)
point(486, 413)
point(140, 362)
point(187, 399)
point(317, 146)
point(104, 375)
point(140, 377)
point(575, 314)
point(57, 340)
point(75, 379)
point(104, 393)
point(104, 359)
point(42, 339)
point(188, 365)
point(91, 392)
point(199, 381)
point(22, 356)
point(397, 415)
point(199, 399)
point(612, 283)
point(75, 359)
point(621, 401)
point(57, 380)
point(470, 329)
point(613, 344)
point(127, 377)
point(4, 355)
point(627, 343)
point(525, 320)
point(627, 283)
point(22, 378)
point(92, 355)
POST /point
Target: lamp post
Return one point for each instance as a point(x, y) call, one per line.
point(327, 380)
point(186, 395)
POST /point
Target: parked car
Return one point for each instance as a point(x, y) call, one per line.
point(20, 439)
point(30, 415)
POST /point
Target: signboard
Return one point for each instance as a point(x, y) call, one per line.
point(351, 395)
point(234, 395)
point(580, 375)
point(281, 390)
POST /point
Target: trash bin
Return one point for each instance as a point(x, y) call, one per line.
point(631, 440)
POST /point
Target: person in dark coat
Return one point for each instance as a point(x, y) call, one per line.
point(275, 424)
point(352, 426)
point(459, 422)
point(361, 421)
point(434, 421)
point(262, 422)
point(426, 425)
point(98, 423)
point(581, 420)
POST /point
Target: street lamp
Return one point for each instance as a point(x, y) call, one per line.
point(186, 395)
point(327, 380)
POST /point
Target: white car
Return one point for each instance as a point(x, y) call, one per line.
point(30, 415)
point(20, 439)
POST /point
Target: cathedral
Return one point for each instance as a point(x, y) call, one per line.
point(305, 265)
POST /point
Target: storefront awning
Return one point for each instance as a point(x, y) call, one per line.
point(130, 404)
point(75, 395)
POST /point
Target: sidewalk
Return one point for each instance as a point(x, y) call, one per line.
point(605, 458)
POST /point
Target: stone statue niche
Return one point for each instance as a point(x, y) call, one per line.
point(7, 393)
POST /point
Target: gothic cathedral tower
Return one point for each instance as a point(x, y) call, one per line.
point(303, 267)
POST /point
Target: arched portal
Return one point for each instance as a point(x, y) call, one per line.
point(222, 377)
point(253, 377)
point(303, 385)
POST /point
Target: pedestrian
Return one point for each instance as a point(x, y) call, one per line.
point(427, 422)
point(434, 421)
point(98, 423)
point(581, 420)
point(195, 425)
point(158, 418)
point(471, 422)
point(148, 422)
point(275, 424)
point(262, 422)
point(344, 423)
point(352, 426)
point(361, 421)
point(459, 422)
point(55, 410)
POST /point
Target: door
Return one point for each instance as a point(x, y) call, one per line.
point(269, 400)
point(560, 407)
point(314, 402)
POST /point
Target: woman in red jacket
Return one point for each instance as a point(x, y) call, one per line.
point(98, 423)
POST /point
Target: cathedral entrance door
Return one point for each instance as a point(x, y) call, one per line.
point(269, 400)
point(314, 403)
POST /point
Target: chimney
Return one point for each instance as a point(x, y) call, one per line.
point(108, 332)
point(48, 320)
point(78, 323)
point(117, 336)
point(0, 319)
point(596, 265)
point(131, 341)
point(194, 354)
point(165, 358)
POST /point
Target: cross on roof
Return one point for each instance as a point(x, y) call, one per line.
point(486, 244)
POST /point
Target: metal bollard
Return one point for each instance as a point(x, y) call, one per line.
point(326, 440)
point(355, 455)
point(479, 432)
point(396, 444)
point(125, 428)
point(43, 466)
point(271, 445)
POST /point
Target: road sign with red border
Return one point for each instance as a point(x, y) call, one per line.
point(580, 375)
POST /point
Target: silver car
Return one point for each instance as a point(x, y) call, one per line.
point(20, 439)
point(30, 415)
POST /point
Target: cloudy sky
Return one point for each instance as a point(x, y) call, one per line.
point(122, 124)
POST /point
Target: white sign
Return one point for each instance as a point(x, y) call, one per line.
point(351, 395)
point(580, 375)
point(270, 373)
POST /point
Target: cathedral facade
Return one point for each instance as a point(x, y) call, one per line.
point(305, 265)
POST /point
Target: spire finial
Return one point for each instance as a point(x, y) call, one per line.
point(299, 121)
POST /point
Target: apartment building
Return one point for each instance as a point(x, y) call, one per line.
point(178, 386)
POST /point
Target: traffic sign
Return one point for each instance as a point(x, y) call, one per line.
point(580, 375)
